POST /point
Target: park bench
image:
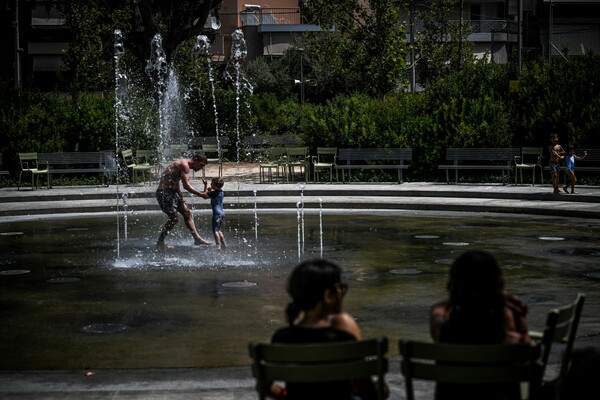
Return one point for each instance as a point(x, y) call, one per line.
point(373, 158)
point(197, 142)
point(80, 162)
point(214, 149)
point(255, 145)
point(2, 171)
point(499, 159)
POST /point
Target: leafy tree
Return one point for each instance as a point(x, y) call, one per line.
point(471, 106)
point(176, 21)
point(271, 76)
point(442, 44)
point(327, 70)
point(92, 23)
point(377, 47)
point(85, 63)
point(562, 96)
point(329, 65)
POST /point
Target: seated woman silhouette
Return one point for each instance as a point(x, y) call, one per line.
point(477, 311)
point(315, 315)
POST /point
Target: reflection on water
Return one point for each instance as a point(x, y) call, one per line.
point(67, 302)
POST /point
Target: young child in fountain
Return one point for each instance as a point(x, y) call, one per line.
point(571, 157)
point(215, 193)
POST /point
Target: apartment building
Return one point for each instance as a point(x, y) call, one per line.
point(35, 37)
point(268, 26)
point(546, 26)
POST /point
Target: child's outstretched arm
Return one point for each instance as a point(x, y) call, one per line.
point(204, 193)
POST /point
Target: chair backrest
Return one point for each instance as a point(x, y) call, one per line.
point(326, 154)
point(28, 160)
point(128, 157)
point(212, 152)
point(319, 362)
point(561, 327)
point(495, 364)
point(176, 151)
point(145, 156)
point(271, 154)
point(296, 154)
point(531, 154)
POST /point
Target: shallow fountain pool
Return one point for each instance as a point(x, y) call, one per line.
point(68, 302)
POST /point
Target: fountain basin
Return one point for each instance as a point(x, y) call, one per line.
point(81, 306)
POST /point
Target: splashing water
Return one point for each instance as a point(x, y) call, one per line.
point(238, 55)
point(298, 205)
point(321, 225)
point(255, 220)
point(120, 82)
point(238, 51)
point(302, 211)
point(125, 229)
point(157, 70)
point(201, 49)
point(174, 127)
point(159, 120)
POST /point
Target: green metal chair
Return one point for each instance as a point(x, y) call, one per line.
point(475, 368)
point(561, 327)
point(326, 158)
point(319, 362)
point(141, 163)
point(530, 158)
point(30, 164)
point(272, 158)
point(296, 158)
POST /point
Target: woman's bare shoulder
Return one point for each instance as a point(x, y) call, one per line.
point(346, 322)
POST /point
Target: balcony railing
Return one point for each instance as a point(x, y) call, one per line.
point(271, 16)
point(292, 16)
point(489, 26)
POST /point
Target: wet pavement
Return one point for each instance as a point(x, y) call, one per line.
point(246, 195)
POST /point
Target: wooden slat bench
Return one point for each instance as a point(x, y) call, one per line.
point(197, 142)
point(79, 162)
point(498, 159)
point(373, 158)
point(2, 171)
point(254, 145)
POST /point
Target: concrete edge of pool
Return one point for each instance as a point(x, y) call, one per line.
point(243, 196)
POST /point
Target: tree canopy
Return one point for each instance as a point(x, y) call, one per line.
point(376, 39)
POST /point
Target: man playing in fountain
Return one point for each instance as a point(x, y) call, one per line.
point(170, 197)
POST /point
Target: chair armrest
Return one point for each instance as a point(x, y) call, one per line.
point(314, 159)
point(517, 159)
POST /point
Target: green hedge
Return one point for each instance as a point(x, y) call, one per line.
point(473, 108)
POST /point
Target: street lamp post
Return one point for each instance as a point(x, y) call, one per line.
point(18, 49)
point(413, 72)
point(301, 50)
point(520, 33)
point(302, 82)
